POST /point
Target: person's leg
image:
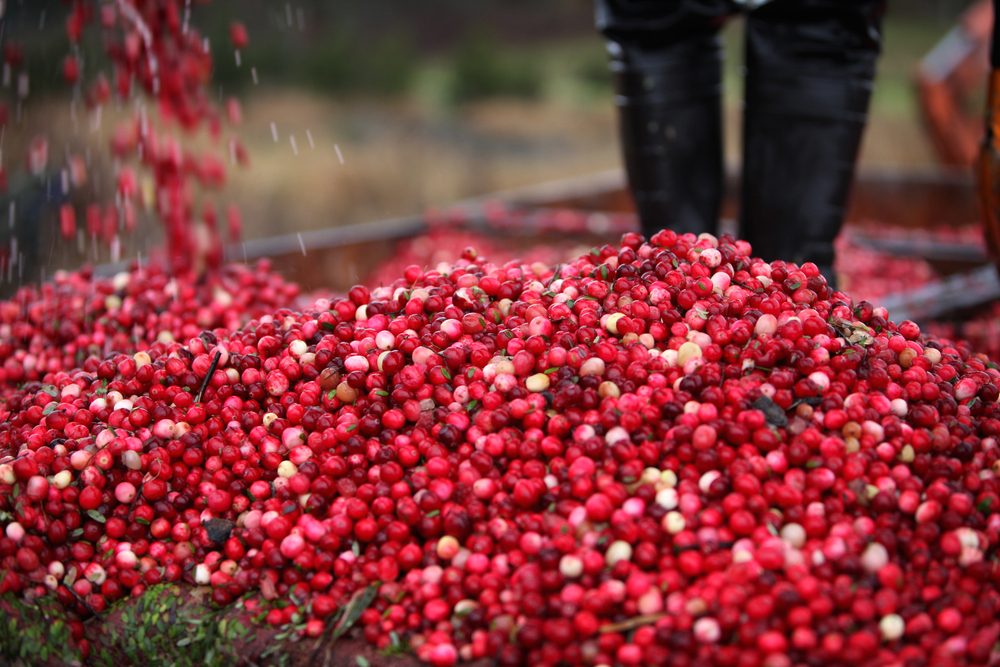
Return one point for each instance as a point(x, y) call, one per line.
point(666, 60)
point(810, 68)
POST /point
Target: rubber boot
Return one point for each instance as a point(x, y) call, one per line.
point(810, 67)
point(669, 110)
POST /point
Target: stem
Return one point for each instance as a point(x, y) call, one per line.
point(208, 376)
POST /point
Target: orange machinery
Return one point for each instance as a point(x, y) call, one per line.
point(949, 83)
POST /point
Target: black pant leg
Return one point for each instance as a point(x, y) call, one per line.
point(666, 60)
point(810, 70)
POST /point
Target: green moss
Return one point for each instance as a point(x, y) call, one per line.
point(162, 628)
point(482, 69)
point(33, 633)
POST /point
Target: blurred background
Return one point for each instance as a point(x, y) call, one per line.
point(358, 112)
point(355, 112)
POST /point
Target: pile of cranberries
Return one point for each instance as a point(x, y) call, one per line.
point(867, 274)
point(442, 243)
point(660, 452)
point(78, 319)
point(981, 333)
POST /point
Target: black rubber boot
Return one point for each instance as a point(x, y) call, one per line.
point(669, 109)
point(810, 67)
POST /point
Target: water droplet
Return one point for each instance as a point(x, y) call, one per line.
point(22, 85)
point(253, 75)
point(274, 131)
point(340, 156)
point(302, 243)
point(309, 136)
point(295, 146)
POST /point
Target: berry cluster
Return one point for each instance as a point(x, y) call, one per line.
point(658, 452)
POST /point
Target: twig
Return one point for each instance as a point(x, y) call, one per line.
point(632, 623)
point(86, 605)
point(208, 376)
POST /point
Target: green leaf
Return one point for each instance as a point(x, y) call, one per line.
point(351, 427)
point(50, 408)
point(50, 390)
point(550, 371)
point(446, 373)
point(381, 392)
point(433, 513)
point(96, 516)
point(362, 661)
point(360, 601)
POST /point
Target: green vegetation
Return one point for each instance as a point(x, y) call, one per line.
point(163, 628)
point(389, 50)
point(33, 633)
point(341, 63)
point(482, 69)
